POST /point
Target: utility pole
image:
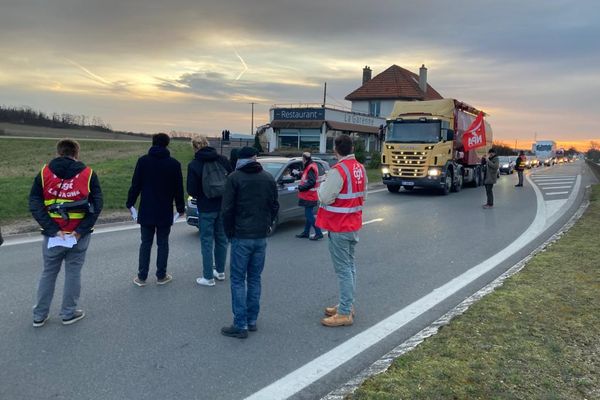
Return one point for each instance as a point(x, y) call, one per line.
point(325, 95)
point(252, 121)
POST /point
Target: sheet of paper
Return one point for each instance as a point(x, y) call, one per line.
point(67, 241)
point(175, 217)
point(292, 188)
point(134, 213)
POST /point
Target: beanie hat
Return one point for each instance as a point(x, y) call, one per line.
point(247, 152)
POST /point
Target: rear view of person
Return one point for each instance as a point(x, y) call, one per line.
point(249, 208)
point(308, 197)
point(520, 165)
point(491, 176)
point(158, 180)
point(207, 174)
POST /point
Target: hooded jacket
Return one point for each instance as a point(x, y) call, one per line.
point(194, 178)
point(491, 170)
point(250, 202)
point(158, 180)
point(65, 168)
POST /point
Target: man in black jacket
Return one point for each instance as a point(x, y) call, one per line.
point(249, 208)
point(159, 181)
point(64, 180)
point(213, 241)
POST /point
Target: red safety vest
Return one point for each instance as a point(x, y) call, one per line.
point(345, 213)
point(310, 194)
point(58, 190)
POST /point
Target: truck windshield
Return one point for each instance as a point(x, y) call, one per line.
point(414, 132)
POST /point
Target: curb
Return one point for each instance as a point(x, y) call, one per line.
point(386, 361)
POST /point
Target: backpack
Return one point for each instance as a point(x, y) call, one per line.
point(214, 177)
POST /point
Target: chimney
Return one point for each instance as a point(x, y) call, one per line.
point(423, 79)
point(366, 74)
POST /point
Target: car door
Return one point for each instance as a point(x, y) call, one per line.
point(288, 193)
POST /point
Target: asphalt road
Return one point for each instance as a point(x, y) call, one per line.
point(164, 342)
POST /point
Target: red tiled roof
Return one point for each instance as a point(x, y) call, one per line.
point(394, 83)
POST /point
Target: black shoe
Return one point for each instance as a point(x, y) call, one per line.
point(252, 328)
point(77, 315)
point(317, 237)
point(518, 185)
point(232, 331)
point(40, 323)
point(302, 235)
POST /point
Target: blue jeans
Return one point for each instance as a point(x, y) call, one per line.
point(341, 248)
point(212, 241)
point(310, 221)
point(247, 263)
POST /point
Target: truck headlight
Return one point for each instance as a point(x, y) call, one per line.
point(385, 170)
point(434, 172)
point(504, 165)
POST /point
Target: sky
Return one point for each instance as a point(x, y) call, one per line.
point(195, 65)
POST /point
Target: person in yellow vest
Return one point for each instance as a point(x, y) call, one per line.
point(65, 200)
point(342, 195)
point(307, 196)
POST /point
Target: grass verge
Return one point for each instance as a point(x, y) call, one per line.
point(374, 175)
point(536, 337)
point(114, 163)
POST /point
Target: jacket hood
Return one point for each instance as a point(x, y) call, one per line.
point(253, 167)
point(65, 167)
point(159, 152)
point(206, 154)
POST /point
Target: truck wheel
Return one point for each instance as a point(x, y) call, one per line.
point(409, 188)
point(447, 185)
point(458, 186)
point(393, 188)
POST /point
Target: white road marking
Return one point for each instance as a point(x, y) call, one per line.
point(316, 369)
point(547, 183)
point(557, 187)
point(555, 193)
point(549, 178)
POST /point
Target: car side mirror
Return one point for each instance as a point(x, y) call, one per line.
point(287, 179)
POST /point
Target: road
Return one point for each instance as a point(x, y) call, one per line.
point(419, 255)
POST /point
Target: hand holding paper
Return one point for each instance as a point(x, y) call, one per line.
point(67, 241)
point(175, 217)
point(134, 213)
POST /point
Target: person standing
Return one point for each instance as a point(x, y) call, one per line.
point(308, 197)
point(158, 180)
point(207, 174)
point(1, 238)
point(520, 167)
point(342, 195)
point(65, 200)
point(491, 176)
point(249, 207)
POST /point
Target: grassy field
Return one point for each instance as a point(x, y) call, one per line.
point(113, 162)
point(8, 129)
point(374, 175)
point(536, 337)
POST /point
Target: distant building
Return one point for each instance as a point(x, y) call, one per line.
point(376, 96)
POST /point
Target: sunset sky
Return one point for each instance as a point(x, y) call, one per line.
point(193, 65)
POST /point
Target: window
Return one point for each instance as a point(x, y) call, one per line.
point(288, 139)
point(375, 108)
point(310, 139)
point(304, 139)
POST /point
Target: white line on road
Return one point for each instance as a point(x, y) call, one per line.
point(551, 178)
point(319, 367)
point(555, 193)
point(546, 183)
point(557, 187)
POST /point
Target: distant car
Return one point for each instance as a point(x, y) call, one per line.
point(534, 162)
point(507, 165)
point(287, 173)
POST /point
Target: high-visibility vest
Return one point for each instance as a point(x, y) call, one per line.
point(59, 191)
point(520, 163)
point(345, 213)
point(310, 194)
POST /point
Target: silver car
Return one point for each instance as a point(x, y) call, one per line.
point(287, 173)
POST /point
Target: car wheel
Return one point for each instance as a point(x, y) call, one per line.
point(273, 226)
point(393, 188)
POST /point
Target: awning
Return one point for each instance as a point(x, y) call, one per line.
point(343, 126)
point(290, 124)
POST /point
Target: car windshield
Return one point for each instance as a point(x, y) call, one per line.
point(414, 132)
point(272, 167)
point(504, 159)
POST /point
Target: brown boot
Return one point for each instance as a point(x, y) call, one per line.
point(330, 311)
point(338, 320)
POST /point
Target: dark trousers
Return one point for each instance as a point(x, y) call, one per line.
point(310, 221)
point(489, 193)
point(162, 243)
point(520, 175)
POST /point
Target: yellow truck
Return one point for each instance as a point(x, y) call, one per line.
point(423, 146)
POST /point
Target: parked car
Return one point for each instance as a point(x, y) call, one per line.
point(287, 173)
point(533, 162)
point(507, 164)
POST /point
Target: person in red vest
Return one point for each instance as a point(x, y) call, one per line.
point(342, 195)
point(65, 200)
point(308, 197)
point(520, 167)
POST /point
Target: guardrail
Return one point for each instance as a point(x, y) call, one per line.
point(594, 167)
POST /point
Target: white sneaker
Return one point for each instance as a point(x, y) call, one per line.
point(220, 276)
point(205, 282)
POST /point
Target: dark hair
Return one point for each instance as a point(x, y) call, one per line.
point(343, 145)
point(492, 150)
point(521, 153)
point(67, 148)
point(160, 139)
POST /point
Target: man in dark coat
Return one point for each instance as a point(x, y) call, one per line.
point(249, 208)
point(159, 181)
point(491, 176)
point(213, 242)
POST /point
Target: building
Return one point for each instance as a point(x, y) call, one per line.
point(377, 96)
